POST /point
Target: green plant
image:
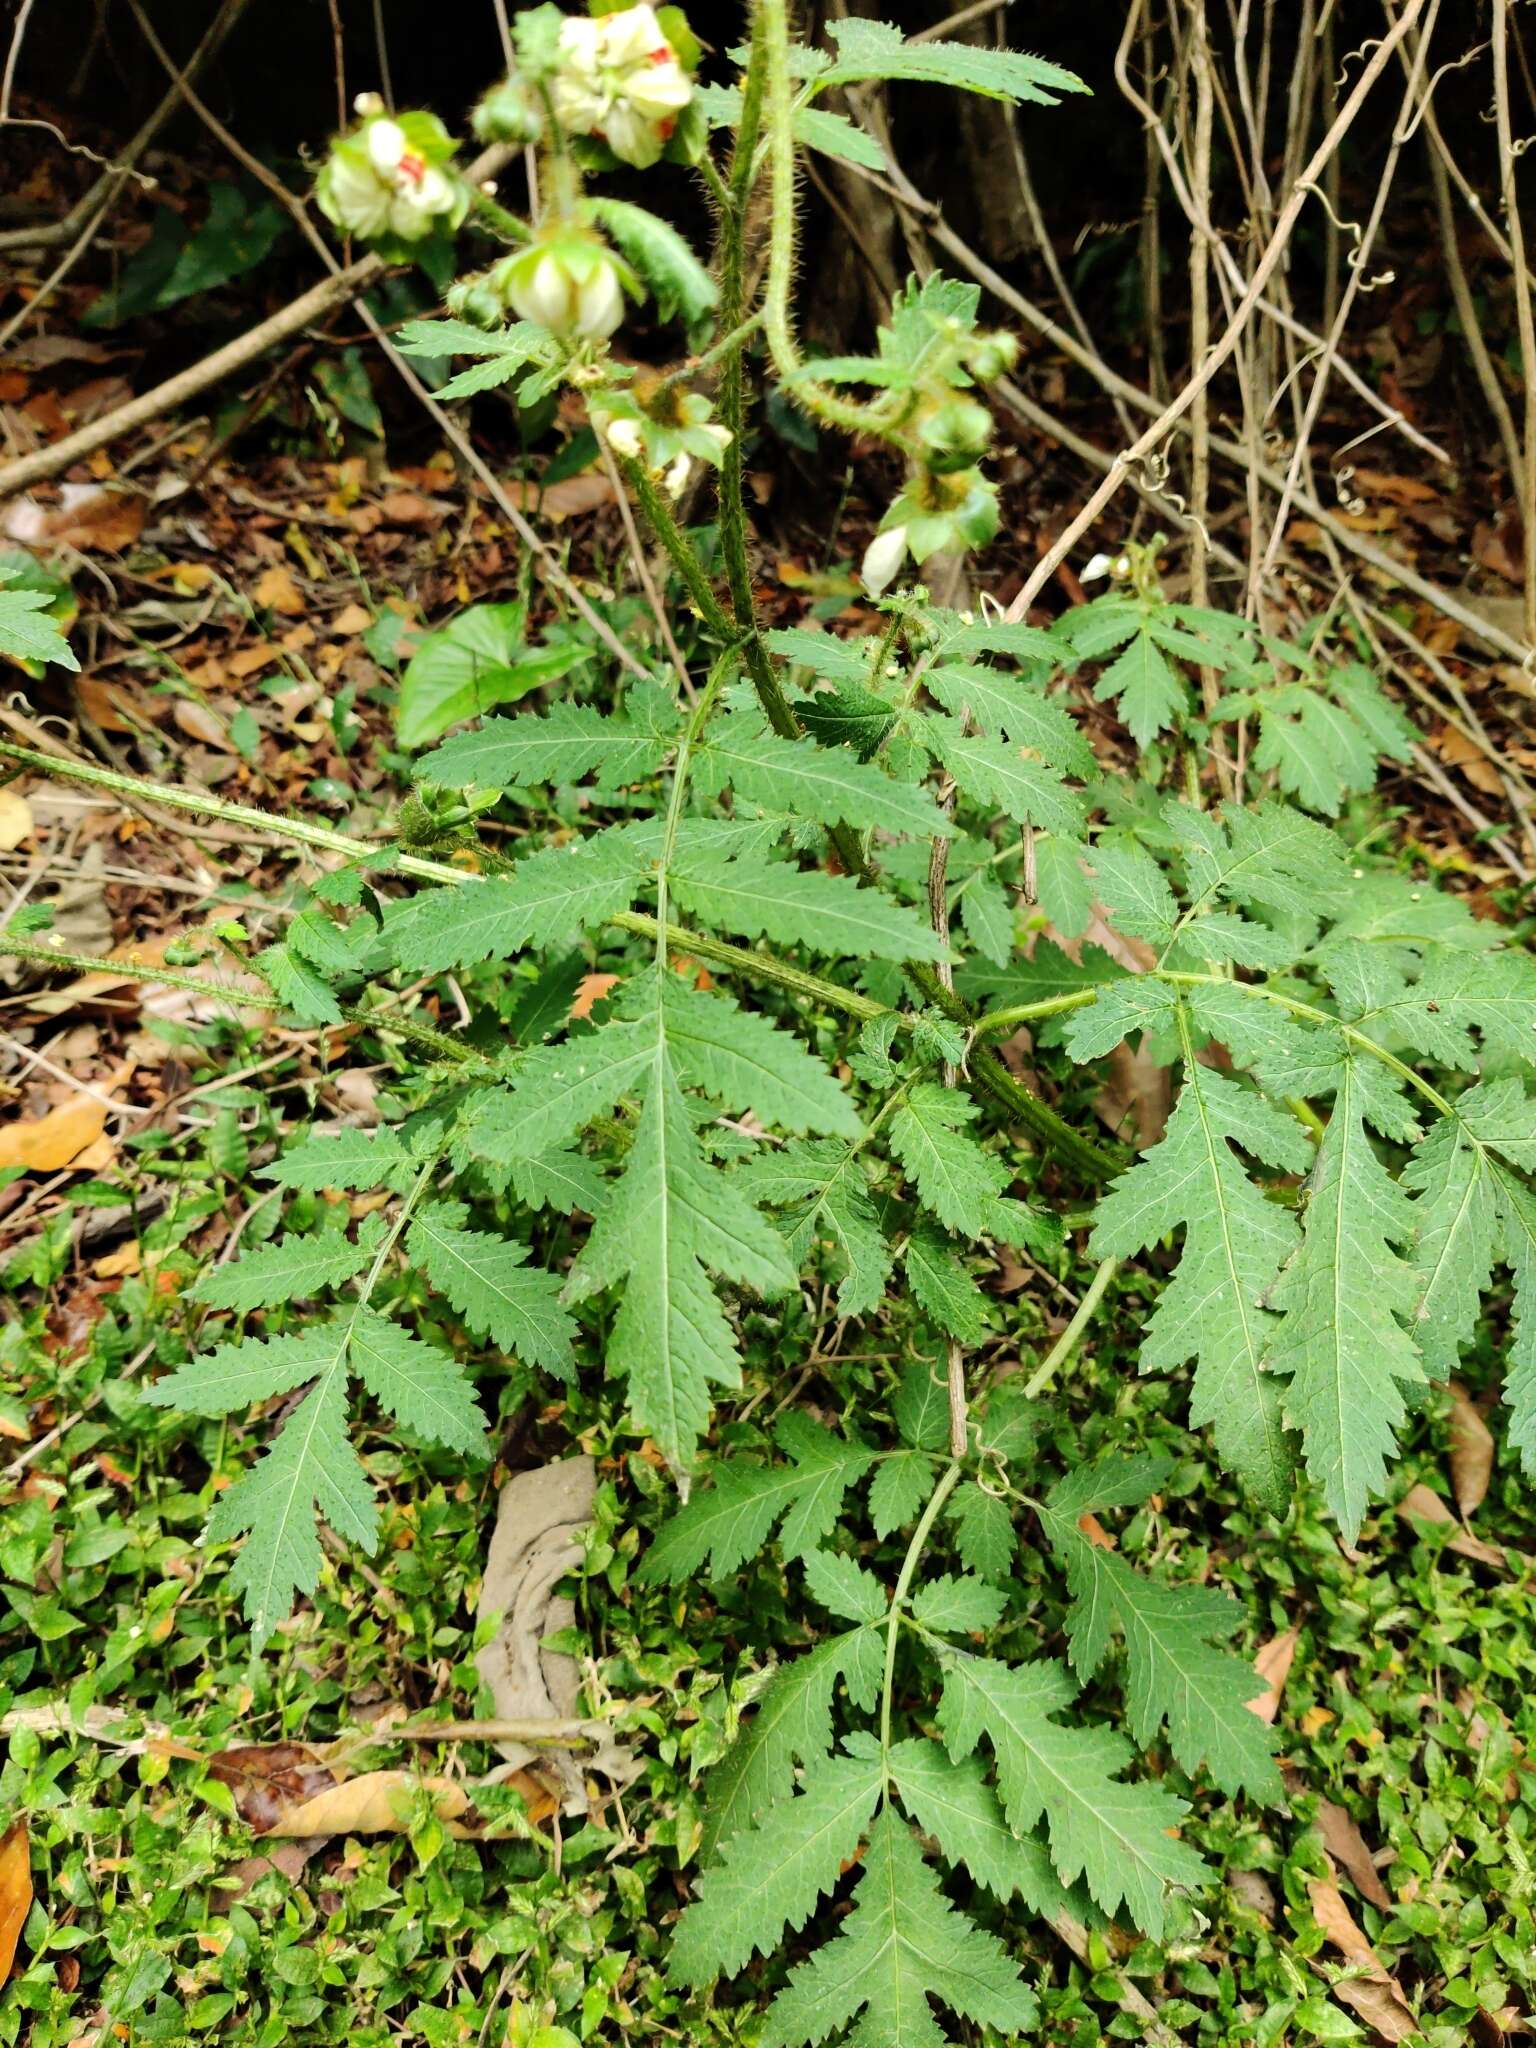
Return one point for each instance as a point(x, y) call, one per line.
point(1340, 1209)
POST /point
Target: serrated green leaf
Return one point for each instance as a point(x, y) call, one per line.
point(679, 282)
point(792, 1724)
point(489, 1283)
point(310, 1469)
point(670, 1222)
point(902, 1944)
point(996, 774)
point(1115, 1836)
point(422, 1387)
point(1012, 708)
point(745, 1060)
point(1152, 696)
point(378, 1158)
point(1178, 1671)
point(1457, 1215)
point(901, 1485)
point(1212, 1311)
point(954, 1177)
point(800, 907)
point(770, 1877)
point(292, 1268)
point(984, 1532)
point(843, 1587)
point(828, 785)
point(963, 1605)
point(1344, 1298)
point(954, 1803)
point(875, 49)
point(942, 1287)
point(566, 743)
point(549, 896)
point(732, 1519)
point(821, 1187)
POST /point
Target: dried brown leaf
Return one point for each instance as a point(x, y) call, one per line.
point(45, 1144)
point(1273, 1666)
point(1345, 1843)
point(15, 1892)
point(1420, 1504)
point(1471, 1452)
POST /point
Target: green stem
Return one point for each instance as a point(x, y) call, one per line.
point(1066, 1343)
point(784, 235)
point(946, 1486)
point(302, 831)
point(709, 697)
point(437, 1043)
point(1025, 1013)
point(496, 216)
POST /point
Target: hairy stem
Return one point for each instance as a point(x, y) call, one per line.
point(948, 1480)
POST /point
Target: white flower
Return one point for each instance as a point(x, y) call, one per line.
point(721, 436)
point(1094, 568)
point(624, 438)
point(676, 479)
point(376, 180)
point(883, 559)
point(619, 79)
point(571, 288)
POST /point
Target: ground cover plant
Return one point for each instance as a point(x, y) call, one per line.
point(791, 970)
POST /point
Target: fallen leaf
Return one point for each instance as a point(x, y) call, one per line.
point(269, 1779)
point(352, 618)
point(1374, 1996)
point(15, 1892)
point(202, 725)
point(373, 1803)
point(590, 990)
point(108, 705)
point(250, 659)
point(129, 1258)
point(1458, 751)
point(1345, 1843)
point(1315, 1718)
point(1096, 1532)
point(567, 499)
point(86, 517)
point(15, 820)
point(45, 1144)
point(1273, 1666)
point(1135, 1100)
point(1421, 1504)
point(410, 508)
point(1471, 1452)
point(276, 590)
point(1255, 1891)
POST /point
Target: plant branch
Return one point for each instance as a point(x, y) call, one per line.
point(1201, 376)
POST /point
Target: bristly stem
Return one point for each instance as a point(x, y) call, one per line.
point(948, 1480)
point(1066, 1343)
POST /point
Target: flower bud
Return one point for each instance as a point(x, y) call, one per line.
point(675, 482)
point(882, 560)
point(992, 355)
point(956, 434)
point(569, 282)
point(367, 104)
point(508, 113)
